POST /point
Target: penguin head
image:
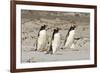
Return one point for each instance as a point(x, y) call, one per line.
point(43, 27)
point(72, 27)
point(56, 30)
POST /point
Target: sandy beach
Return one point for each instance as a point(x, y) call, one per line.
point(31, 21)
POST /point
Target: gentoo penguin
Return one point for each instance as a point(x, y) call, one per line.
point(42, 39)
point(68, 43)
point(55, 41)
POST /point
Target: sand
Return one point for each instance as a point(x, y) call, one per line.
point(31, 22)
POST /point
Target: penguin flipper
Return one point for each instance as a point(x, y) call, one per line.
point(77, 38)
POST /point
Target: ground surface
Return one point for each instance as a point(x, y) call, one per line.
point(31, 22)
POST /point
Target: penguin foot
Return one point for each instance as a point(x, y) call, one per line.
point(35, 50)
point(48, 52)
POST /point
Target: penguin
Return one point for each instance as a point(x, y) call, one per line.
point(69, 39)
point(55, 41)
point(42, 39)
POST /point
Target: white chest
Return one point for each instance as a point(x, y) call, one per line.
point(56, 42)
point(70, 38)
point(71, 35)
point(42, 34)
